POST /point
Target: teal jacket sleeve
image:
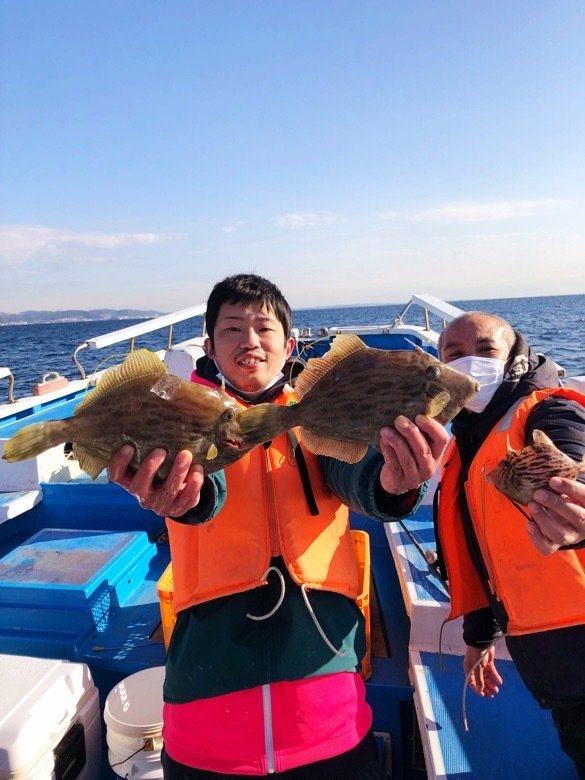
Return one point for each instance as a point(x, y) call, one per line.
point(211, 501)
point(358, 486)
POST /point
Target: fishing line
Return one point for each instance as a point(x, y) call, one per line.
point(303, 355)
point(115, 358)
point(468, 677)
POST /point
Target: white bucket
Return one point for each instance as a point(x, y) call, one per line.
point(133, 717)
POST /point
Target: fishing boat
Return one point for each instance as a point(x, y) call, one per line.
point(84, 596)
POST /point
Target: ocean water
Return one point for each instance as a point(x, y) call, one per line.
point(554, 325)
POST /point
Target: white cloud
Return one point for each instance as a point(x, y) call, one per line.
point(303, 219)
point(233, 227)
point(18, 243)
point(487, 212)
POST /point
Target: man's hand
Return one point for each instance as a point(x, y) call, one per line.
point(480, 669)
point(558, 515)
point(411, 452)
point(178, 493)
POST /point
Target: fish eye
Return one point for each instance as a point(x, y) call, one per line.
point(229, 415)
point(432, 372)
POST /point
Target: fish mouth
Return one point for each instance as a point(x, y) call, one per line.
point(232, 444)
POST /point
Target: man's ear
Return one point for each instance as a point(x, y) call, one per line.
point(290, 345)
point(207, 346)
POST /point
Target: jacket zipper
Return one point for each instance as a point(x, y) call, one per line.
point(268, 733)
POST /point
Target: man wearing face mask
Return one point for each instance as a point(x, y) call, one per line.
point(510, 574)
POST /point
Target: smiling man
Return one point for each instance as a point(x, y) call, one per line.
point(262, 674)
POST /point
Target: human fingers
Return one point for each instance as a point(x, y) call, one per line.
point(178, 493)
point(542, 543)
point(560, 512)
point(421, 444)
point(558, 519)
point(180, 500)
point(118, 466)
point(435, 433)
point(142, 483)
point(480, 669)
point(575, 491)
point(399, 473)
point(492, 680)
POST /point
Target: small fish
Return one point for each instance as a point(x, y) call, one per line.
point(346, 396)
point(140, 403)
point(523, 471)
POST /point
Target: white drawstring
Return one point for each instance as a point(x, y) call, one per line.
point(316, 622)
point(280, 600)
point(307, 604)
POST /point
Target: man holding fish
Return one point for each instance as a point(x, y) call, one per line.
point(509, 577)
point(263, 666)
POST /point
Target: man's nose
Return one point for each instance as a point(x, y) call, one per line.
point(250, 338)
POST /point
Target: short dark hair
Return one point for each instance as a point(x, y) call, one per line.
point(248, 289)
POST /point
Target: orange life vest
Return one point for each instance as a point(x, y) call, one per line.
point(538, 592)
point(265, 515)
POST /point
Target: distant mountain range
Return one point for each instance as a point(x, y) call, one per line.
point(74, 315)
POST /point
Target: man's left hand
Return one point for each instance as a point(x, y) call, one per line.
point(558, 515)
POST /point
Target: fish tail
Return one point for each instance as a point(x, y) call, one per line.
point(34, 439)
point(265, 421)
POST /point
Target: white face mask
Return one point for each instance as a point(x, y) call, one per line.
point(489, 372)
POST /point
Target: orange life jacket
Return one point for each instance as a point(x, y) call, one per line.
point(265, 515)
point(538, 592)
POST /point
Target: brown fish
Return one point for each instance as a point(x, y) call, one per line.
point(523, 471)
point(140, 403)
point(346, 396)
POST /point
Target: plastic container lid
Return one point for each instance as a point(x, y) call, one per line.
point(134, 706)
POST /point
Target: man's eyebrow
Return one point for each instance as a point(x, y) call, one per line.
point(486, 340)
point(240, 317)
point(482, 341)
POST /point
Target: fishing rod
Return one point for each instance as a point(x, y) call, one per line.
point(430, 556)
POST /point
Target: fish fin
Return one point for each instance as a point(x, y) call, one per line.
point(91, 464)
point(34, 439)
point(342, 346)
point(540, 437)
point(438, 403)
point(211, 452)
point(347, 451)
point(140, 362)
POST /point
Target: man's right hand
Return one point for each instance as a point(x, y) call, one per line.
point(178, 493)
point(480, 670)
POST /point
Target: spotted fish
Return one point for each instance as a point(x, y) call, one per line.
point(140, 403)
point(346, 396)
point(523, 471)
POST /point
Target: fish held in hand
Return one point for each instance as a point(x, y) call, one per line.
point(523, 471)
point(140, 403)
point(346, 396)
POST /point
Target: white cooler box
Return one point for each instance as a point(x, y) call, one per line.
point(50, 724)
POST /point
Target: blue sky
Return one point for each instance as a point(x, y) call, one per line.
point(353, 152)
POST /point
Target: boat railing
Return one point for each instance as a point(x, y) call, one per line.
point(131, 332)
point(430, 304)
point(6, 373)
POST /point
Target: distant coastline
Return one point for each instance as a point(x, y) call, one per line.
point(74, 315)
